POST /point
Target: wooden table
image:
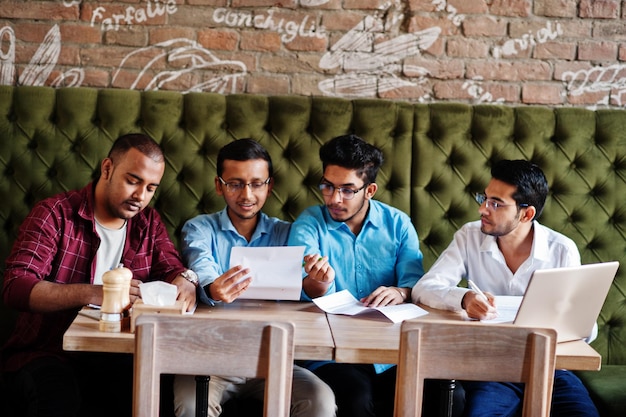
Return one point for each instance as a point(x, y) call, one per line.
point(312, 336)
point(374, 339)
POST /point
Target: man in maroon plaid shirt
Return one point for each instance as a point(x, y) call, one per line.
point(55, 268)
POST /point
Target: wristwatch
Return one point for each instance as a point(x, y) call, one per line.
point(190, 276)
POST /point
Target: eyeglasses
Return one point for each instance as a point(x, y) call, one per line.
point(328, 190)
point(237, 187)
point(493, 204)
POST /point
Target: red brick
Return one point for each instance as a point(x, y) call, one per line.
point(513, 8)
point(509, 70)
point(599, 9)
point(613, 30)
point(127, 36)
point(97, 78)
point(49, 10)
point(219, 39)
point(441, 69)
point(621, 53)
point(484, 26)
point(256, 40)
point(162, 34)
point(80, 33)
point(307, 44)
point(467, 48)
point(597, 51)
point(541, 93)
point(361, 4)
point(569, 67)
point(268, 84)
point(264, 3)
point(555, 50)
point(216, 3)
point(450, 90)
point(555, 8)
point(306, 84)
point(589, 98)
point(341, 21)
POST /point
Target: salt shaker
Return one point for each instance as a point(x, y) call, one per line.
point(116, 298)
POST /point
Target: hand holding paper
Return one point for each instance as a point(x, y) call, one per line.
point(276, 271)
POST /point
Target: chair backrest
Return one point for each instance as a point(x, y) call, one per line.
point(475, 351)
point(174, 344)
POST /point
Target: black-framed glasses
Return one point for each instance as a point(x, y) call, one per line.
point(328, 190)
point(237, 187)
point(493, 204)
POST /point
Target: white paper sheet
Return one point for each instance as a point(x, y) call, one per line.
point(276, 271)
point(343, 302)
point(506, 306)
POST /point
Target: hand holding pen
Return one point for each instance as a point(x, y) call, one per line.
point(479, 305)
point(318, 269)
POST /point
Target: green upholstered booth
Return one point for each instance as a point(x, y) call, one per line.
point(436, 156)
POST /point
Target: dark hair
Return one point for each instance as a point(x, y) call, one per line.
point(352, 152)
point(143, 143)
point(531, 183)
point(243, 150)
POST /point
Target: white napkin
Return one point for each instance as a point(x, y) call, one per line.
point(158, 293)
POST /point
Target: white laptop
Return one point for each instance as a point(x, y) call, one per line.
point(566, 299)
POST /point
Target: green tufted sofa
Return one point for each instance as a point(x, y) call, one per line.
point(436, 157)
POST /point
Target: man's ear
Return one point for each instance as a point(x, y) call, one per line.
point(370, 190)
point(106, 168)
point(528, 214)
point(218, 187)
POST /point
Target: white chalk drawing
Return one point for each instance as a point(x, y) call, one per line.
point(41, 64)
point(288, 29)
point(7, 55)
point(132, 15)
point(476, 91)
point(44, 60)
point(70, 3)
point(187, 55)
point(442, 5)
point(71, 78)
point(514, 46)
point(313, 3)
point(372, 67)
point(611, 79)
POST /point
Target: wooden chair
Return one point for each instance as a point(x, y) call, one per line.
point(174, 344)
point(475, 351)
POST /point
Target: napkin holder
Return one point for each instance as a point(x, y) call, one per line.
point(139, 308)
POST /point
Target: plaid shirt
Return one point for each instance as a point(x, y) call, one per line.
point(58, 242)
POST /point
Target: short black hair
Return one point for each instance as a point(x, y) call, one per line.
point(527, 177)
point(143, 143)
point(243, 150)
point(352, 152)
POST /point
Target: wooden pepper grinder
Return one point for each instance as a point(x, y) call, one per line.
point(115, 298)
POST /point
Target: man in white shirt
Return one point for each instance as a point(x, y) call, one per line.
point(499, 253)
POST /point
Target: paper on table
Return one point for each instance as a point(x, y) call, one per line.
point(276, 271)
point(343, 302)
point(507, 306)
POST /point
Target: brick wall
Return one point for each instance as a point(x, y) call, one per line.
point(550, 52)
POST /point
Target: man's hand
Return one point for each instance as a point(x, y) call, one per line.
point(477, 307)
point(186, 292)
point(384, 296)
point(230, 285)
point(320, 275)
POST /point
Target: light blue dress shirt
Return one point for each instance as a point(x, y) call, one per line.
point(208, 238)
point(385, 252)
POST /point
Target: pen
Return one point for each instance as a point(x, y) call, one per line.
point(474, 287)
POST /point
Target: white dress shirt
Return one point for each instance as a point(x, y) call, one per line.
point(475, 255)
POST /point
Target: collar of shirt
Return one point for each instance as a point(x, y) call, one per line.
point(539, 250)
point(262, 227)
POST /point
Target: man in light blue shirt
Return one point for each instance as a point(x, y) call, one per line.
point(245, 179)
point(361, 245)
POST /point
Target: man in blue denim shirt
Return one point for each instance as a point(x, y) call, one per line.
point(361, 245)
point(245, 179)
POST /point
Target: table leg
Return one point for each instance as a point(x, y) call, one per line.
point(202, 395)
point(446, 393)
